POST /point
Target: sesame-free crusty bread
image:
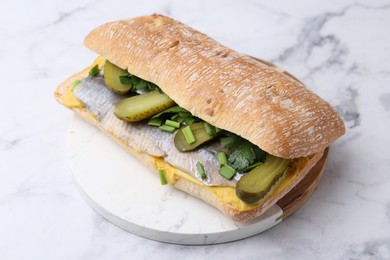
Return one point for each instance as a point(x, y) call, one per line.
point(211, 195)
point(225, 88)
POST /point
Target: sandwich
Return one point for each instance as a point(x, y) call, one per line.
point(219, 125)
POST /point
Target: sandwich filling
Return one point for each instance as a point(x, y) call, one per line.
point(201, 165)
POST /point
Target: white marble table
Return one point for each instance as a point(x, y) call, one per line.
point(341, 49)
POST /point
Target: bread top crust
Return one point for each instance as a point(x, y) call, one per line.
point(225, 88)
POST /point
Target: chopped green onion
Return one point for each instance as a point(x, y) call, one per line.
point(179, 119)
point(172, 123)
point(163, 180)
point(250, 167)
point(155, 121)
point(201, 170)
point(75, 83)
point(227, 172)
point(94, 71)
point(189, 136)
point(167, 128)
point(174, 117)
point(217, 130)
point(189, 120)
point(210, 130)
point(221, 156)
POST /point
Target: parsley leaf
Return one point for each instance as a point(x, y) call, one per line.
point(243, 153)
point(177, 114)
point(171, 110)
point(152, 86)
point(231, 141)
point(260, 154)
point(242, 156)
point(137, 83)
point(125, 79)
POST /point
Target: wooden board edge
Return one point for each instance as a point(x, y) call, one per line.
point(301, 193)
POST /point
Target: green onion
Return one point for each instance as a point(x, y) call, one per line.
point(201, 170)
point(227, 172)
point(172, 123)
point(179, 119)
point(163, 180)
point(155, 121)
point(174, 117)
point(167, 128)
point(250, 167)
point(94, 71)
point(189, 136)
point(221, 156)
point(189, 120)
point(75, 83)
point(210, 130)
point(217, 130)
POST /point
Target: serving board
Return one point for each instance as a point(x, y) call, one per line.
point(130, 196)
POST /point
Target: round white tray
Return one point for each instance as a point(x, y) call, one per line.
point(129, 195)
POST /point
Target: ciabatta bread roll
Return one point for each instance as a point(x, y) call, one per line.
point(224, 88)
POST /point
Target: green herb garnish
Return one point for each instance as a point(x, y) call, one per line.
point(174, 117)
point(94, 71)
point(167, 128)
point(179, 119)
point(125, 79)
point(189, 120)
point(188, 135)
point(221, 156)
point(172, 123)
point(227, 172)
point(137, 83)
point(185, 114)
point(75, 83)
point(172, 110)
point(163, 180)
point(243, 153)
point(201, 170)
point(210, 130)
point(230, 141)
point(260, 154)
point(155, 121)
point(251, 167)
point(242, 156)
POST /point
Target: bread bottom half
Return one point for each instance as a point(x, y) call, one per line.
point(222, 198)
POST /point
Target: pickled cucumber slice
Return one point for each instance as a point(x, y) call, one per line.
point(112, 80)
point(200, 134)
point(254, 185)
point(137, 108)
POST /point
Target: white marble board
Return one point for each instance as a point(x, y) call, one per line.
point(129, 195)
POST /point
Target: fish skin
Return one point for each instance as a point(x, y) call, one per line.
point(100, 101)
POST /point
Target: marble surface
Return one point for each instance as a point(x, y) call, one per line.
point(341, 49)
point(113, 183)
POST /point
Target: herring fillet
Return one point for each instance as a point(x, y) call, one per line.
point(100, 101)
